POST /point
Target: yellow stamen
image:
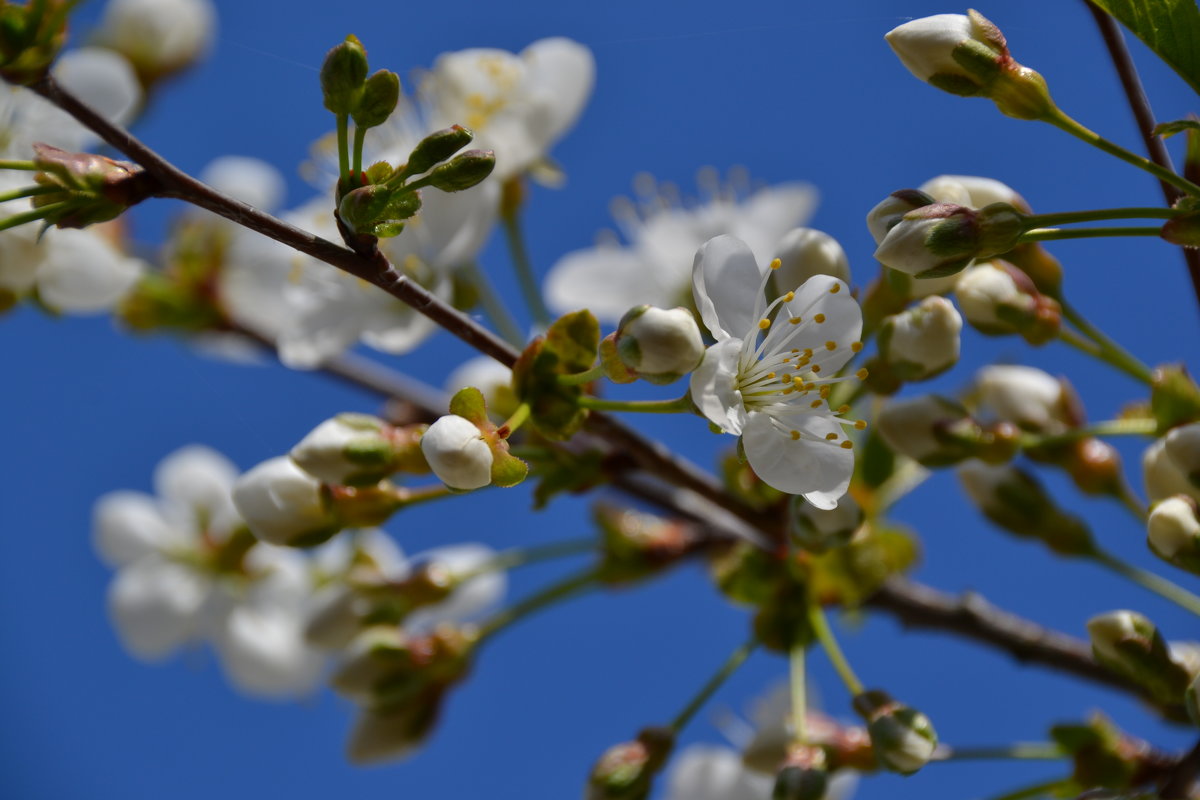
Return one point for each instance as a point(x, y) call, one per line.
point(776, 263)
point(846, 445)
point(844, 409)
point(815, 404)
point(831, 346)
point(825, 391)
point(763, 324)
point(790, 296)
point(860, 425)
point(794, 320)
point(770, 374)
point(819, 318)
point(862, 374)
point(856, 347)
point(816, 367)
point(831, 436)
point(795, 435)
point(837, 287)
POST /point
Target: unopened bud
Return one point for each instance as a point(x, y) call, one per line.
point(31, 36)
point(998, 299)
point(929, 429)
point(1172, 464)
point(636, 544)
point(436, 148)
point(805, 252)
point(903, 738)
point(1191, 700)
point(342, 76)
point(944, 238)
point(973, 191)
point(818, 530)
point(888, 213)
point(1025, 396)
point(803, 776)
point(1173, 532)
point(463, 171)
point(660, 345)
point(922, 341)
point(1017, 502)
point(393, 731)
point(457, 453)
point(1130, 644)
point(381, 93)
point(282, 504)
point(627, 770)
point(92, 188)
point(347, 450)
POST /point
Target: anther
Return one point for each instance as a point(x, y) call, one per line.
point(763, 324)
point(846, 445)
point(831, 346)
point(831, 436)
point(776, 263)
point(815, 403)
point(837, 287)
point(862, 374)
point(856, 347)
point(860, 424)
point(789, 297)
point(819, 318)
point(795, 435)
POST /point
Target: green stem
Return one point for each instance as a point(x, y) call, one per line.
point(494, 308)
point(642, 406)
point(28, 166)
point(524, 269)
point(1148, 580)
point(735, 660)
point(1058, 234)
point(1036, 790)
point(1115, 354)
point(343, 147)
point(34, 215)
point(1067, 217)
point(1112, 427)
point(522, 556)
point(360, 137)
point(517, 419)
point(820, 626)
point(412, 497)
point(1033, 751)
point(1132, 502)
point(1060, 120)
point(578, 378)
point(28, 191)
point(548, 596)
point(799, 690)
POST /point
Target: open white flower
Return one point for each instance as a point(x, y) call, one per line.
point(663, 235)
point(769, 374)
point(186, 573)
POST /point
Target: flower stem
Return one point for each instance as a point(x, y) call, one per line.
point(1056, 234)
point(1114, 354)
point(518, 418)
point(519, 254)
point(406, 497)
point(28, 191)
point(735, 660)
point(522, 556)
point(1067, 217)
point(1062, 121)
point(582, 377)
point(799, 689)
point(1043, 789)
point(1032, 751)
point(1131, 502)
point(642, 406)
point(494, 308)
point(1112, 427)
point(820, 626)
point(16, 220)
point(548, 596)
point(1148, 580)
point(343, 147)
point(28, 166)
point(360, 136)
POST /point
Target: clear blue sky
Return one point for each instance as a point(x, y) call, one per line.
point(788, 90)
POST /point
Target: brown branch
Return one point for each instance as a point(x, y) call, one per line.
point(1139, 104)
point(1182, 779)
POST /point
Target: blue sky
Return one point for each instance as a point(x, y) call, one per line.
point(787, 90)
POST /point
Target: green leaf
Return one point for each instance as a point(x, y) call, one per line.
point(568, 347)
point(1169, 129)
point(1171, 28)
point(507, 469)
point(469, 404)
point(1174, 397)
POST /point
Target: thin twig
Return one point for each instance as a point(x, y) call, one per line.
point(1139, 104)
point(1179, 785)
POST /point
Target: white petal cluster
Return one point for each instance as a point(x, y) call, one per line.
point(1172, 464)
point(663, 235)
point(1027, 396)
point(770, 371)
point(284, 505)
point(661, 344)
point(158, 36)
point(924, 339)
point(168, 593)
point(927, 46)
point(984, 291)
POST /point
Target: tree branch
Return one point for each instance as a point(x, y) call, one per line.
point(1181, 780)
point(1139, 104)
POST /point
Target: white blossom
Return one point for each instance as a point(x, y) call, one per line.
point(282, 504)
point(457, 453)
point(926, 46)
point(1173, 530)
point(663, 235)
point(767, 377)
point(1027, 396)
point(659, 343)
point(158, 36)
point(1172, 464)
point(922, 341)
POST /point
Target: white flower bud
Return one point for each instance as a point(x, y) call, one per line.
point(922, 341)
point(158, 36)
point(283, 504)
point(1187, 655)
point(902, 738)
point(944, 238)
point(989, 298)
point(347, 450)
point(972, 191)
point(1026, 396)
point(805, 252)
point(659, 344)
point(1172, 464)
point(884, 216)
point(457, 453)
point(922, 429)
point(927, 47)
point(1173, 532)
point(1108, 629)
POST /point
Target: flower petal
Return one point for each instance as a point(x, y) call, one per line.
point(724, 280)
point(560, 74)
point(606, 280)
point(714, 386)
point(195, 484)
point(156, 606)
point(129, 525)
point(810, 466)
point(842, 319)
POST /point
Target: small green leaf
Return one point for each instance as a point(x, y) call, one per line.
point(562, 471)
point(1169, 129)
point(469, 404)
point(849, 575)
point(614, 369)
point(1174, 397)
point(507, 469)
point(568, 347)
point(1171, 28)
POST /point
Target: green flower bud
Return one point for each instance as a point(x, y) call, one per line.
point(902, 738)
point(436, 148)
point(347, 450)
point(343, 75)
point(929, 429)
point(627, 770)
point(1130, 644)
point(463, 171)
point(391, 732)
point(817, 530)
point(381, 93)
point(803, 776)
point(1017, 502)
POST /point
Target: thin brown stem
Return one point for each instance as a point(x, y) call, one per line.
point(1139, 104)
point(1179, 783)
